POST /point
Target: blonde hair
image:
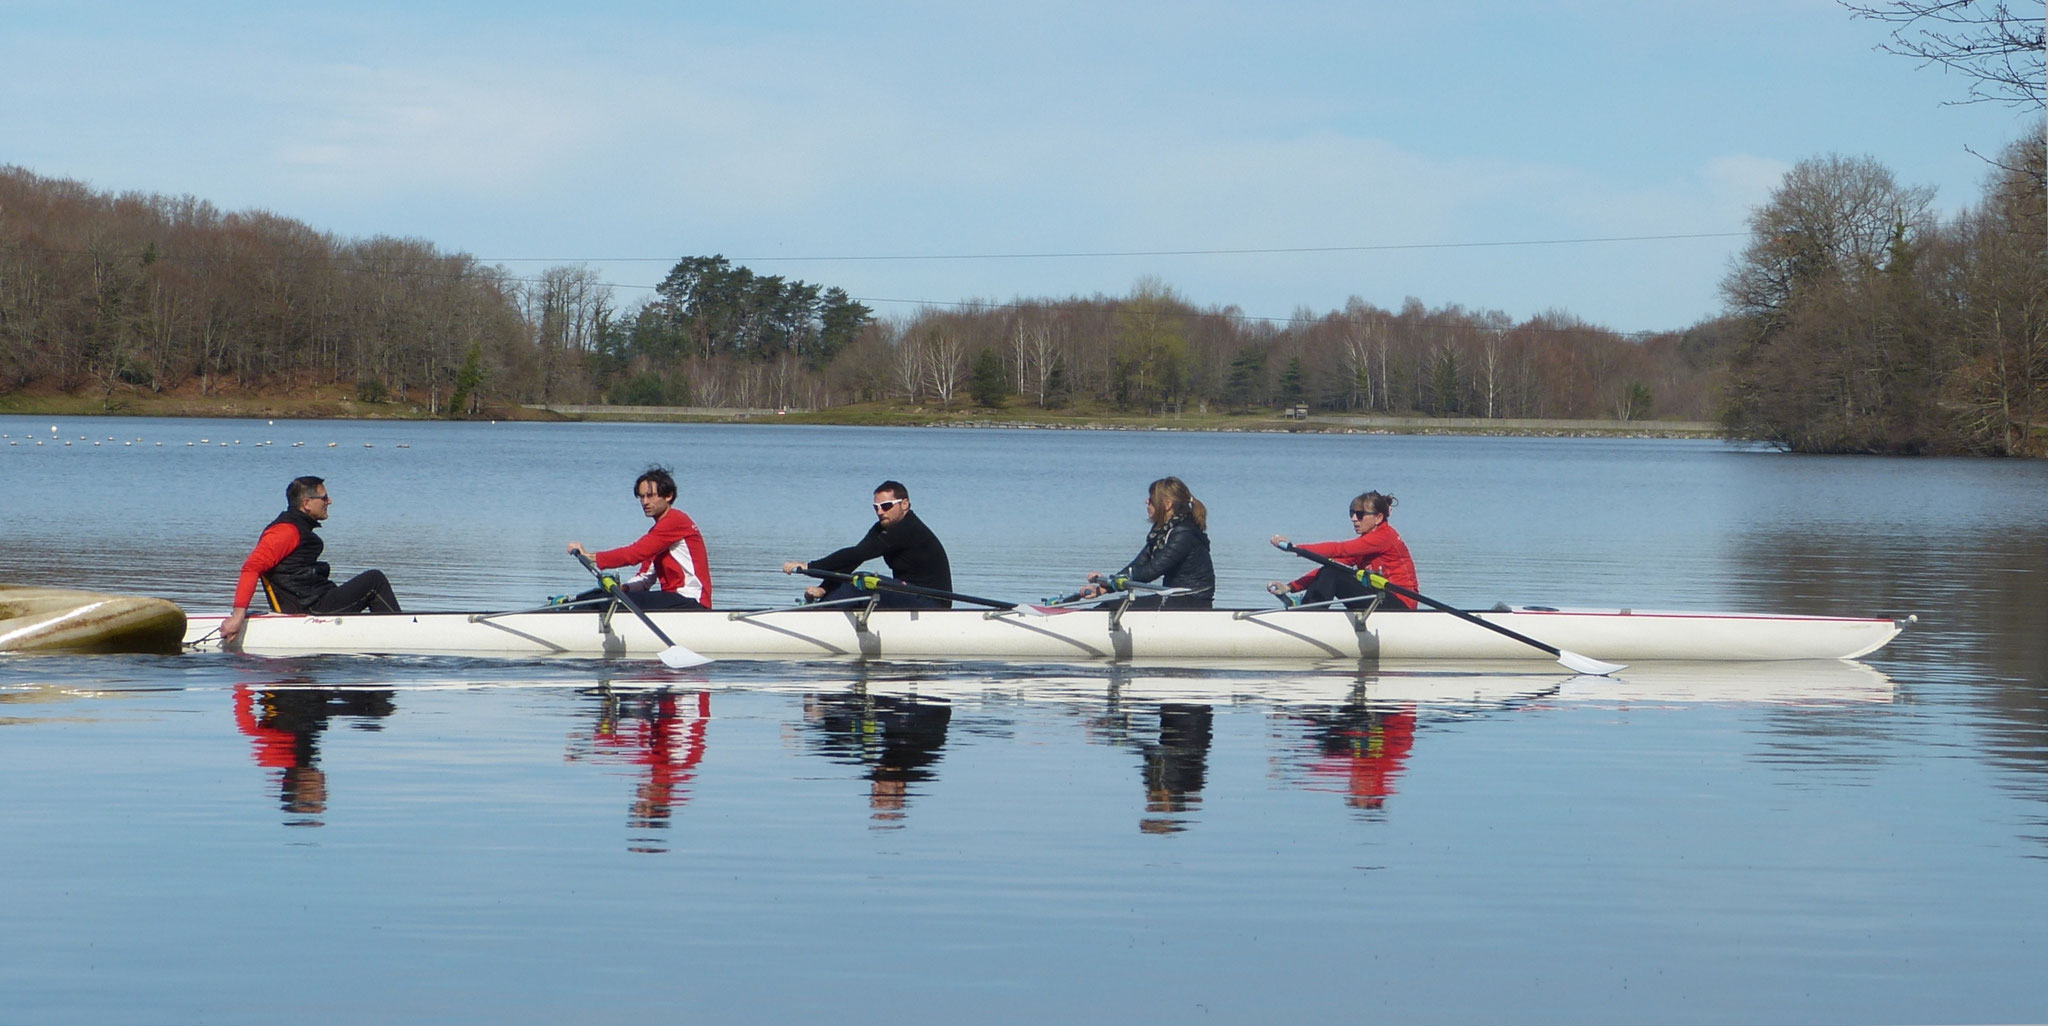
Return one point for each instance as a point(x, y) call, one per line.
point(1169, 496)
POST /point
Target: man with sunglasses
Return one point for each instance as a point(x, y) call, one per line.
point(675, 571)
point(901, 540)
point(288, 556)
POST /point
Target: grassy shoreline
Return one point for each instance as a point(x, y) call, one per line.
point(338, 406)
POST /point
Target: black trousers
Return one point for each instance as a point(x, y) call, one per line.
point(890, 599)
point(1335, 584)
point(366, 592)
point(1161, 602)
point(647, 599)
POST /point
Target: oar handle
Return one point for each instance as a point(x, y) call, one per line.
point(876, 582)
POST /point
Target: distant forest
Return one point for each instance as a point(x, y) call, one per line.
point(1856, 323)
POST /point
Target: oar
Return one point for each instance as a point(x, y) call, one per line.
point(1571, 660)
point(675, 656)
point(874, 582)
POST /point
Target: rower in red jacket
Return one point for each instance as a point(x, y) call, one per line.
point(674, 571)
point(1377, 548)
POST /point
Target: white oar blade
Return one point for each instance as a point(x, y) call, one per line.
point(676, 657)
point(1587, 664)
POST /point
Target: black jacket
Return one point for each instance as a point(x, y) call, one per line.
point(911, 549)
point(1178, 551)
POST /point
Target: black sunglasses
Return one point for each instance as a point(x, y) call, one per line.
point(1356, 513)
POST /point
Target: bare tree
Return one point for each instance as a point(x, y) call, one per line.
point(1997, 45)
point(942, 363)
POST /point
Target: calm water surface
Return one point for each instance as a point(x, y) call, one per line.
point(238, 839)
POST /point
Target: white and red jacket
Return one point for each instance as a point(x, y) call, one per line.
point(671, 555)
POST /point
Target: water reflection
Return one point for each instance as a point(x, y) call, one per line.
point(1356, 749)
point(661, 731)
point(1172, 740)
point(897, 739)
point(285, 724)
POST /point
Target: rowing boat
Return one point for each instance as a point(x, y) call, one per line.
point(1068, 635)
point(67, 620)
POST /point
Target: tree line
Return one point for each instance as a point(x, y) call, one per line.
point(125, 293)
point(1856, 322)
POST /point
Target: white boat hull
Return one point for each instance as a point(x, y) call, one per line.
point(1220, 635)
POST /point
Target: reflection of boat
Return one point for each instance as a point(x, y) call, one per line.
point(1473, 686)
point(62, 620)
point(1620, 635)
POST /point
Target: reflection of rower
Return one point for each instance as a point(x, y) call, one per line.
point(1360, 745)
point(286, 724)
point(1176, 767)
point(897, 738)
point(650, 730)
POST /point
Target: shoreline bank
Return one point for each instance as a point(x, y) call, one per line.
point(862, 415)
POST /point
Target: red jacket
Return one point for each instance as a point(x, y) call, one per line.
point(277, 542)
point(1379, 549)
point(672, 552)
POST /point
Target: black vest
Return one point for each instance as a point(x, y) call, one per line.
point(300, 573)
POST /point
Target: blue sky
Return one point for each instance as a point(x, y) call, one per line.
point(1405, 141)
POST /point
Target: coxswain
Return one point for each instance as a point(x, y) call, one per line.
point(287, 554)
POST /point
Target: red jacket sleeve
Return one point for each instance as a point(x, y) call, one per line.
point(1353, 552)
point(666, 532)
point(277, 542)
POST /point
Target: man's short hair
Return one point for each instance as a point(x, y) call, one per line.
point(664, 485)
point(300, 489)
point(894, 488)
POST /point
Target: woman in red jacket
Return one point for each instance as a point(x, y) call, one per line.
point(1377, 548)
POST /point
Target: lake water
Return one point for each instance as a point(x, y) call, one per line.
point(232, 839)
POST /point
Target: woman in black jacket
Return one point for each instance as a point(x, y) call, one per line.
point(1177, 549)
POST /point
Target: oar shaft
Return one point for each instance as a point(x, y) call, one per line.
point(1380, 582)
point(674, 654)
point(880, 583)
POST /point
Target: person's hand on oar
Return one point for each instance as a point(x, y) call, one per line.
point(1098, 585)
point(814, 592)
point(675, 656)
point(1571, 660)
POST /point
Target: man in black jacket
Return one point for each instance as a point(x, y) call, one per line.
point(911, 550)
